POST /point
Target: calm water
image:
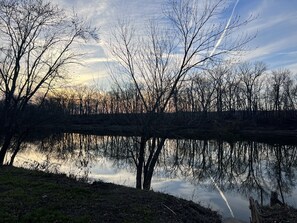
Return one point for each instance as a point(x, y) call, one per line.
point(217, 174)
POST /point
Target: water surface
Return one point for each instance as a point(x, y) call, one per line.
point(216, 173)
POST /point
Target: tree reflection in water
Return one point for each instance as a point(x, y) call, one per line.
point(246, 167)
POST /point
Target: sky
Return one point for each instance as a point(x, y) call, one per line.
point(274, 23)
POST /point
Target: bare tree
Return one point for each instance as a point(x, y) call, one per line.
point(232, 90)
point(160, 62)
point(37, 40)
point(217, 76)
point(250, 75)
point(280, 85)
point(204, 89)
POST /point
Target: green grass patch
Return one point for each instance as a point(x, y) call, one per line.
point(32, 196)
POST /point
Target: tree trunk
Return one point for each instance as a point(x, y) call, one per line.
point(140, 162)
point(16, 150)
point(148, 179)
point(5, 146)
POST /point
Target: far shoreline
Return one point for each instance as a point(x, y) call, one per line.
point(260, 134)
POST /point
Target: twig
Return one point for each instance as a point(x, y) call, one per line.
point(169, 209)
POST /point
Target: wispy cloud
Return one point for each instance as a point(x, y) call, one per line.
point(98, 60)
point(275, 24)
point(271, 48)
point(276, 31)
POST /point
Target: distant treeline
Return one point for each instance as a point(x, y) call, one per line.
point(247, 87)
point(260, 125)
point(247, 95)
point(45, 114)
point(285, 119)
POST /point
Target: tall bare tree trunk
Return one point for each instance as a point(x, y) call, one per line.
point(151, 165)
point(140, 162)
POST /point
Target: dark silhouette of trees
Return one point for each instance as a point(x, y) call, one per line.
point(158, 65)
point(281, 85)
point(250, 75)
point(37, 40)
point(227, 88)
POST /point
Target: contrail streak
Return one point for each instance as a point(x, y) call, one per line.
point(211, 54)
point(225, 30)
point(222, 195)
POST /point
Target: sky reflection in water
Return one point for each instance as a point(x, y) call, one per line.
point(179, 171)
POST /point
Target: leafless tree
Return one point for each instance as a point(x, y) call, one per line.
point(218, 76)
point(160, 61)
point(280, 85)
point(204, 89)
point(37, 44)
point(250, 76)
point(232, 95)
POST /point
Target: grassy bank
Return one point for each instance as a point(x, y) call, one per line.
point(32, 196)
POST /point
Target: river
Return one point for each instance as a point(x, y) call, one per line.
point(215, 173)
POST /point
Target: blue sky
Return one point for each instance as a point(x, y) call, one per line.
point(275, 25)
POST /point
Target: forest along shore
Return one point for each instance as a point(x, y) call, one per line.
point(33, 196)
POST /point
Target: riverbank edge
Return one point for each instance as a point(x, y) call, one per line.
point(35, 196)
point(260, 134)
